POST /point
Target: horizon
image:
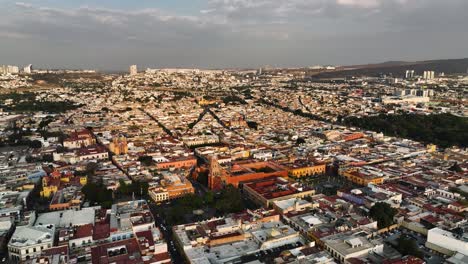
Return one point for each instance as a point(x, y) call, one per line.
point(141, 68)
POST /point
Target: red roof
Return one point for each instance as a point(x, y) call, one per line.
point(101, 230)
point(83, 231)
point(100, 254)
point(145, 239)
point(63, 250)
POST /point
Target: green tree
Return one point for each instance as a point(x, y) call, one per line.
point(383, 213)
point(97, 193)
point(408, 246)
point(146, 160)
point(300, 141)
point(123, 187)
point(230, 201)
point(252, 124)
point(209, 198)
point(91, 168)
point(36, 144)
point(456, 168)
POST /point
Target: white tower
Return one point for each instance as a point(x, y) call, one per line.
point(133, 70)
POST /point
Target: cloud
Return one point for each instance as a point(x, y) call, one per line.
point(24, 5)
point(233, 32)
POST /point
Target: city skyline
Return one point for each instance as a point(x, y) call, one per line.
point(111, 35)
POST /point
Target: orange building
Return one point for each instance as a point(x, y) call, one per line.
point(353, 136)
point(172, 187)
point(241, 172)
point(183, 162)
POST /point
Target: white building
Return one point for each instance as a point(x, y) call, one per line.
point(409, 74)
point(351, 244)
point(428, 75)
point(28, 242)
point(133, 70)
point(9, 69)
point(28, 68)
point(447, 242)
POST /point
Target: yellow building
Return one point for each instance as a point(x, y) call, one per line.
point(431, 148)
point(83, 180)
point(28, 186)
point(203, 102)
point(172, 187)
point(358, 177)
point(47, 191)
point(52, 183)
point(307, 170)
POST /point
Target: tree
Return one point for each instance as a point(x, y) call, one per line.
point(91, 168)
point(146, 160)
point(300, 141)
point(407, 246)
point(123, 187)
point(456, 168)
point(36, 144)
point(209, 198)
point(444, 130)
point(230, 201)
point(97, 193)
point(202, 178)
point(252, 125)
point(139, 188)
point(383, 213)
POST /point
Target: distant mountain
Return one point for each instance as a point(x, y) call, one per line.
point(398, 68)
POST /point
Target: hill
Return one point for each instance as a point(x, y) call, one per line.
point(398, 68)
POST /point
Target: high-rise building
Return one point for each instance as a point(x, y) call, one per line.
point(28, 68)
point(409, 74)
point(133, 70)
point(9, 69)
point(428, 75)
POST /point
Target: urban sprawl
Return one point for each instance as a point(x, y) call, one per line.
point(232, 166)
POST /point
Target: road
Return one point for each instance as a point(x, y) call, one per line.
point(166, 231)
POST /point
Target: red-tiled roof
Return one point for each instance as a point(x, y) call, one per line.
point(101, 230)
point(99, 254)
point(83, 231)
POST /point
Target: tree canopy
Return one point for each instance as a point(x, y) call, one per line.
point(383, 213)
point(407, 246)
point(444, 130)
point(97, 193)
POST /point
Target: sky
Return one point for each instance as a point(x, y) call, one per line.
point(113, 34)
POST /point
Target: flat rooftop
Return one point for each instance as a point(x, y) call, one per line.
point(272, 188)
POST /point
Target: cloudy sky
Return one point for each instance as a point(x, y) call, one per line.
point(112, 34)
